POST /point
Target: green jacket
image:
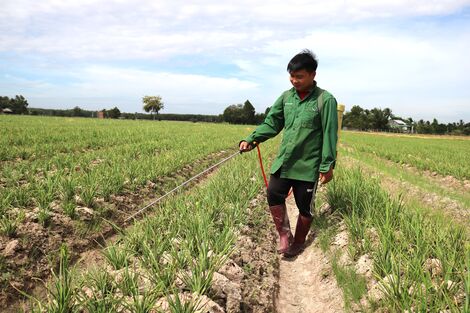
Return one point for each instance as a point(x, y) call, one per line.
point(309, 143)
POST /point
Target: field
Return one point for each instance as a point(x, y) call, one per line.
point(73, 181)
point(68, 187)
point(443, 155)
point(406, 217)
point(430, 170)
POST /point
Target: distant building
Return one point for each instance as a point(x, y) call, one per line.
point(399, 125)
point(6, 111)
point(100, 114)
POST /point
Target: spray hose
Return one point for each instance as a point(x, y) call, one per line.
point(261, 164)
point(179, 186)
point(262, 168)
point(133, 216)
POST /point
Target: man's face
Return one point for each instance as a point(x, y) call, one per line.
point(302, 80)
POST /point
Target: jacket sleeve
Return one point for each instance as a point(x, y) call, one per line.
point(272, 124)
point(329, 120)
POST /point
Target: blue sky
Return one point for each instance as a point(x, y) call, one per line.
point(410, 56)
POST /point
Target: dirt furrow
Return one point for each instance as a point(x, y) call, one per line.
point(27, 259)
point(306, 282)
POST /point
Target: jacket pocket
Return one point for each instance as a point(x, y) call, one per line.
point(311, 116)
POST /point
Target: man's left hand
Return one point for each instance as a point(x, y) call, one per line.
point(326, 177)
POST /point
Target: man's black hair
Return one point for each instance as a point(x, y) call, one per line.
point(305, 60)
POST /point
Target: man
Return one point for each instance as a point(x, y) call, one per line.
point(307, 153)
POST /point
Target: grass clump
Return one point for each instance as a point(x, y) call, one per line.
point(117, 257)
point(8, 226)
point(423, 258)
point(354, 286)
point(60, 291)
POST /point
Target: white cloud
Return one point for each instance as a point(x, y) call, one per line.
point(415, 75)
point(153, 29)
point(372, 53)
point(98, 86)
point(263, 9)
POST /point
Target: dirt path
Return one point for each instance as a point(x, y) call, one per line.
point(306, 283)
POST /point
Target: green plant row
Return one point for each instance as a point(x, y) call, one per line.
point(400, 173)
point(75, 161)
point(420, 261)
point(440, 155)
point(172, 253)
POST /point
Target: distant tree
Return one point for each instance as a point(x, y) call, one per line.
point(152, 104)
point(461, 128)
point(438, 128)
point(466, 129)
point(248, 113)
point(242, 114)
point(387, 113)
point(19, 105)
point(378, 119)
point(77, 111)
point(428, 127)
point(356, 118)
point(451, 127)
point(363, 119)
point(434, 125)
point(114, 113)
point(234, 114)
point(4, 102)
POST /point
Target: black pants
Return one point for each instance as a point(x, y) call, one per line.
point(304, 192)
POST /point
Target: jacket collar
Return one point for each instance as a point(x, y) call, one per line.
point(312, 90)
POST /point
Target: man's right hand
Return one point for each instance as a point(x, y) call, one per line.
point(245, 146)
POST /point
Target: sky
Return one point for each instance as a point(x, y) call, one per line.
point(201, 56)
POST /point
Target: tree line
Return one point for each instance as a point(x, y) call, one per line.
point(115, 113)
point(357, 118)
point(379, 119)
point(76, 112)
point(363, 119)
point(434, 127)
point(243, 114)
point(233, 114)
